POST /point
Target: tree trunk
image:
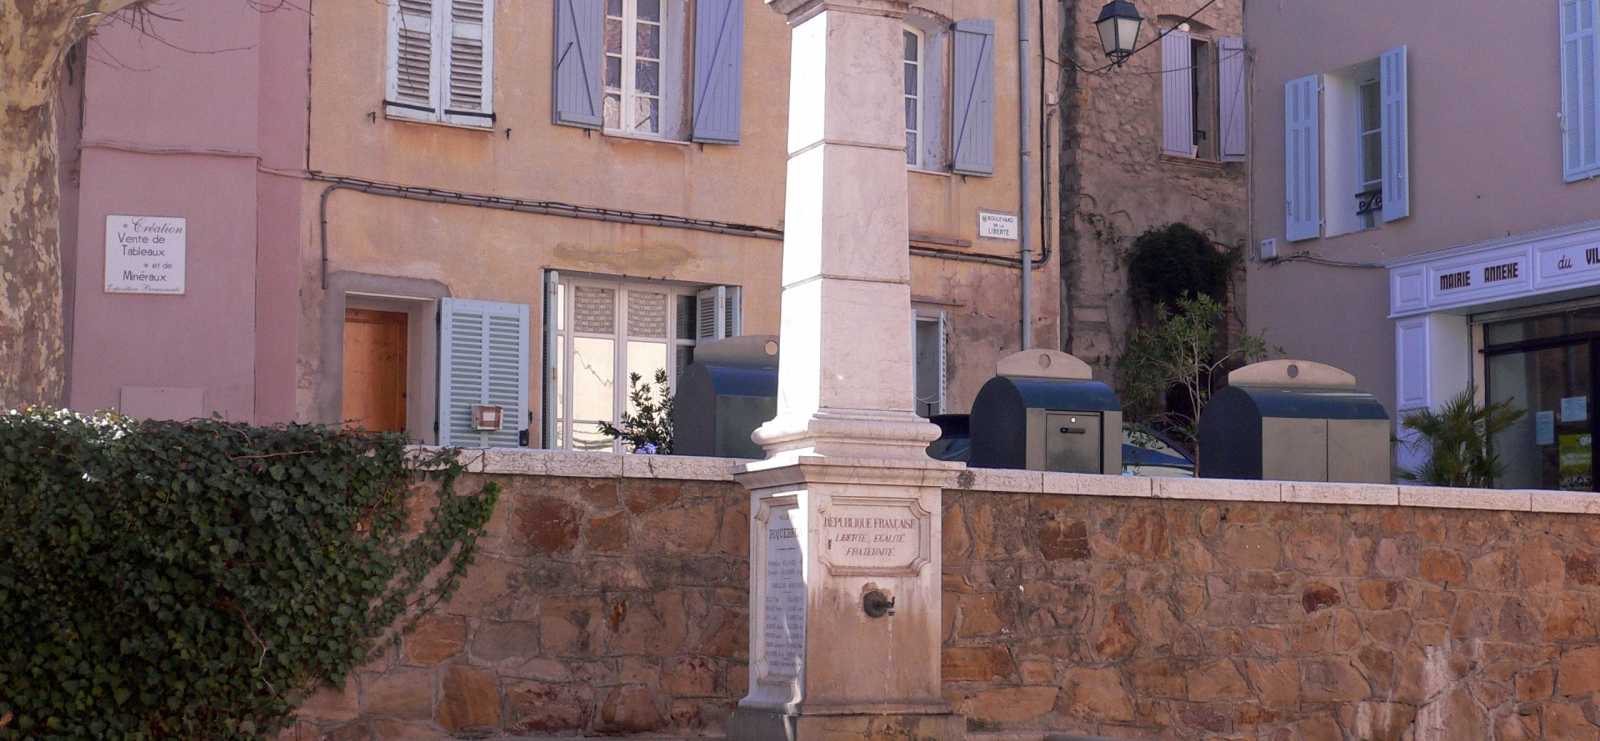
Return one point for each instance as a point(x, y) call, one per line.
point(32, 349)
point(34, 38)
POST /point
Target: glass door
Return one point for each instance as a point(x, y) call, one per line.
point(1546, 367)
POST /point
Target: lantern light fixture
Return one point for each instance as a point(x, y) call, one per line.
point(1119, 30)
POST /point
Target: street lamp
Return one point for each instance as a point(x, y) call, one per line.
point(1119, 29)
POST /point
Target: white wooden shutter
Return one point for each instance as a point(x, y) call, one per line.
point(468, 76)
point(1231, 99)
point(1396, 135)
point(412, 58)
point(1580, 118)
point(1177, 95)
point(1302, 178)
point(972, 101)
point(718, 70)
point(549, 385)
point(718, 314)
point(483, 359)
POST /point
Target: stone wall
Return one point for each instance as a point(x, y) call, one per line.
point(611, 599)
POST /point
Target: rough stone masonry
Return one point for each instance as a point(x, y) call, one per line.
point(612, 605)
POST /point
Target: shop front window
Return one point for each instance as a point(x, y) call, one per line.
point(1546, 367)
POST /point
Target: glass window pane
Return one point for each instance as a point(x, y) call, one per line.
point(911, 46)
point(911, 148)
point(614, 7)
point(613, 72)
point(593, 378)
point(650, 10)
point(686, 314)
point(1371, 107)
point(611, 111)
point(594, 310)
point(613, 39)
point(911, 114)
point(646, 113)
point(647, 314)
point(911, 78)
point(561, 379)
point(648, 41)
point(561, 306)
point(1549, 446)
point(587, 436)
point(1371, 158)
point(645, 358)
point(646, 78)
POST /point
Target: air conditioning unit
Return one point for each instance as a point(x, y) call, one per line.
point(1267, 250)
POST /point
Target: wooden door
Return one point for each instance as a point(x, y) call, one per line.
point(375, 370)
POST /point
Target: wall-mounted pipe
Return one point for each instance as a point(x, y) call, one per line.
point(1025, 158)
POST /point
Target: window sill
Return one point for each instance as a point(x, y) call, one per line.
point(922, 171)
point(643, 138)
point(488, 128)
point(1196, 162)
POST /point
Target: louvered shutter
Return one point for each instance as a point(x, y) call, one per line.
point(718, 70)
point(468, 77)
point(483, 359)
point(412, 90)
point(1579, 115)
point(1231, 99)
point(1302, 178)
point(972, 109)
point(1177, 95)
point(1396, 141)
point(717, 313)
point(549, 380)
point(578, 60)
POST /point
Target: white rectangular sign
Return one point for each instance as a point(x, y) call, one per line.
point(145, 254)
point(993, 225)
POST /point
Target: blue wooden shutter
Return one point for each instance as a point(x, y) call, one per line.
point(412, 55)
point(1579, 115)
point(972, 132)
point(1177, 95)
point(1302, 177)
point(1231, 97)
point(483, 359)
point(1396, 133)
point(576, 88)
point(718, 70)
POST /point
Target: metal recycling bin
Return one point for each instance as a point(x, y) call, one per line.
point(1044, 412)
point(729, 390)
point(1294, 420)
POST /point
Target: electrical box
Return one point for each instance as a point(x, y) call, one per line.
point(1294, 420)
point(729, 390)
point(1043, 411)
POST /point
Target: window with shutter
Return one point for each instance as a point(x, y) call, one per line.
point(718, 313)
point(1302, 153)
point(483, 360)
point(1396, 138)
point(718, 70)
point(1580, 116)
point(1231, 99)
point(929, 349)
point(441, 61)
point(972, 99)
point(1177, 94)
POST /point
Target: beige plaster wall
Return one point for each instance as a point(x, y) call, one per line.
point(495, 255)
point(1116, 183)
point(1485, 158)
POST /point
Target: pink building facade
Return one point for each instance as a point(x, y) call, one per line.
point(1423, 213)
point(193, 131)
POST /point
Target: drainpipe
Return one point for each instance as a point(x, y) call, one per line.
point(1026, 168)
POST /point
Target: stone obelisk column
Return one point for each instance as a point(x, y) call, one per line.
point(845, 617)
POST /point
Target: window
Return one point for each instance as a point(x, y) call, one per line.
point(1580, 117)
point(1202, 91)
point(627, 67)
point(603, 331)
point(930, 360)
point(633, 48)
point(1364, 159)
point(913, 79)
point(441, 61)
point(972, 98)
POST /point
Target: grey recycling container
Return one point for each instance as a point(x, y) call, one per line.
point(1044, 412)
point(1294, 420)
point(729, 390)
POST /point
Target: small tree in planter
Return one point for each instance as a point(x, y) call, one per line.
point(648, 429)
point(1457, 441)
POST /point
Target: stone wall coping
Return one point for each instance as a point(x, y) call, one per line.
point(536, 462)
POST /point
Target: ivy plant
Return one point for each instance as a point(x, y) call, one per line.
point(165, 580)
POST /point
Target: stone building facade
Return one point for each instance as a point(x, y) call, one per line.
point(1120, 175)
point(611, 599)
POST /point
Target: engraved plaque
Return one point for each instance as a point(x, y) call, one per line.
point(870, 537)
point(783, 632)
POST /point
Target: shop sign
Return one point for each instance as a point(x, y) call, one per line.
point(145, 254)
point(1502, 270)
